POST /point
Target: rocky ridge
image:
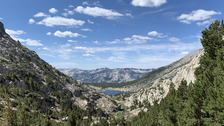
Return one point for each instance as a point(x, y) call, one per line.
point(174, 73)
point(105, 75)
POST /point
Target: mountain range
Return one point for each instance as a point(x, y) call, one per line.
point(105, 75)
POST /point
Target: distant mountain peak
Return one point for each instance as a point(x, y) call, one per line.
point(106, 75)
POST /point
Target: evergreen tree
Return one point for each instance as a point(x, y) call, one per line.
point(203, 99)
point(9, 115)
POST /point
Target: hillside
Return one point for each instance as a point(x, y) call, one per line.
point(30, 85)
point(199, 103)
point(183, 69)
point(106, 75)
point(168, 72)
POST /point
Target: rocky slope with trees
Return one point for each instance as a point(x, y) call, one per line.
point(200, 103)
point(32, 92)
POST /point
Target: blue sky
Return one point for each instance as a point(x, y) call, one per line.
point(109, 33)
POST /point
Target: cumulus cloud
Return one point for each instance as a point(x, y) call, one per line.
point(68, 12)
point(98, 12)
point(66, 33)
point(134, 39)
point(45, 48)
point(48, 33)
point(31, 21)
point(156, 34)
point(40, 14)
point(14, 33)
point(174, 39)
point(148, 3)
point(60, 21)
point(86, 29)
point(197, 15)
point(31, 42)
point(137, 39)
point(53, 10)
point(114, 42)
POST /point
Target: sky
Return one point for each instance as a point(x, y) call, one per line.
point(90, 34)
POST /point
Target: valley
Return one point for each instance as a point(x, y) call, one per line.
point(188, 91)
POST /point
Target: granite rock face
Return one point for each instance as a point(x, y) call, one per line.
point(175, 73)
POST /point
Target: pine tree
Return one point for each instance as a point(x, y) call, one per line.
point(9, 115)
point(203, 96)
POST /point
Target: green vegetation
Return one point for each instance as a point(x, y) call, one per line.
point(198, 104)
point(36, 110)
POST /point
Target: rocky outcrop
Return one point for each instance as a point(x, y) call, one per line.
point(184, 69)
point(106, 75)
point(21, 68)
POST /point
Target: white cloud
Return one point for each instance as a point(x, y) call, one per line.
point(88, 54)
point(68, 12)
point(197, 15)
point(134, 39)
point(148, 3)
point(48, 33)
point(172, 46)
point(53, 10)
point(31, 42)
point(115, 41)
point(98, 12)
point(60, 21)
point(1, 18)
point(45, 48)
point(174, 39)
point(66, 33)
point(156, 34)
point(86, 29)
point(40, 14)
point(90, 22)
point(72, 40)
point(206, 22)
point(31, 21)
point(14, 33)
point(137, 39)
